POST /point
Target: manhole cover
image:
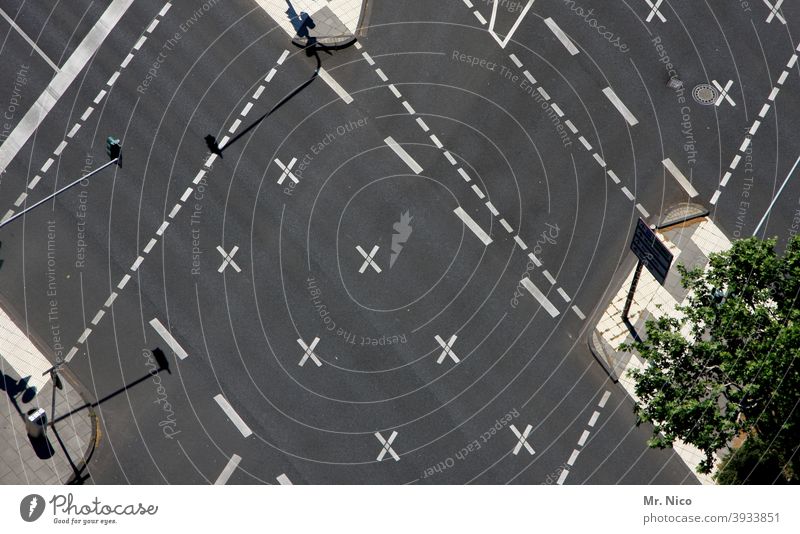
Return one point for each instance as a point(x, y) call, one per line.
point(705, 94)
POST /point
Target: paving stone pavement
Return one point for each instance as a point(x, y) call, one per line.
point(331, 18)
point(691, 243)
point(49, 460)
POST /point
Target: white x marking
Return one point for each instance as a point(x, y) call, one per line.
point(387, 446)
point(723, 93)
point(522, 439)
point(655, 11)
point(227, 259)
point(309, 352)
point(448, 349)
point(774, 13)
point(287, 171)
point(368, 259)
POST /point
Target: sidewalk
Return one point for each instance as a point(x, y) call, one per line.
point(330, 22)
point(690, 243)
point(55, 458)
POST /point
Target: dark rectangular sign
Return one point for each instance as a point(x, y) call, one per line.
point(651, 251)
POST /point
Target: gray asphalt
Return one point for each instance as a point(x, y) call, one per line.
point(297, 252)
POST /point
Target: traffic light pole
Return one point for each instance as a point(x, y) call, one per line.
point(50, 197)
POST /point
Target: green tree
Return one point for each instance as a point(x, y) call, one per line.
point(729, 365)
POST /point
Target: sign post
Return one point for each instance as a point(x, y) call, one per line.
point(652, 254)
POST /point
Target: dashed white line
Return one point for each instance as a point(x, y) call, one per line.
point(516, 60)
point(245, 110)
point(84, 335)
point(87, 113)
point(258, 92)
point(477, 191)
point(164, 9)
point(152, 26)
point(394, 91)
point(283, 480)
point(573, 457)
point(604, 400)
point(137, 263)
point(233, 416)
point(472, 225)
point(283, 57)
point(47, 165)
point(186, 194)
point(479, 17)
point(450, 157)
point(507, 226)
point(563, 295)
point(464, 174)
point(226, 473)
point(99, 97)
point(437, 142)
point(74, 130)
point(520, 242)
point(578, 312)
point(150, 245)
point(381, 75)
point(422, 124)
point(34, 181)
point(110, 300)
point(161, 228)
point(368, 58)
point(627, 193)
point(583, 438)
point(112, 79)
point(593, 420)
point(492, 209)
point(99, 315)
point(123, 282)
point(549, 277)
point(559, 33)
point(140, 42)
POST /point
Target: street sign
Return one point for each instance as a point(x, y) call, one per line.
point(651, 251)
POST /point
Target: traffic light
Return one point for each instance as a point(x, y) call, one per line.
point(114, 150)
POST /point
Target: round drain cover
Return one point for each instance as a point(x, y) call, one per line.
point(705, 94)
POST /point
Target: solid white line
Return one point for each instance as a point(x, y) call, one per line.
point(778, 194)
point(578, 312)
point(231, 466)
point(604, 400)
point(584, 437)
point(562, 477)
point(538, 295)
point(573, 457)
point(61, 81)
point(622, 108)
point(593, 420)
point(559, 33)
point(29, 40)
point(678, 175)
point(283, 57)
point(283, 480)
point(402, 154)
point(472, 225)
point(338, 89)
point(233, 416)
point(167, 337)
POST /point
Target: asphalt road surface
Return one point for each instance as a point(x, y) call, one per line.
point(339, 295)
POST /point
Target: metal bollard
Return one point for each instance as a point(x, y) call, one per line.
point(36, 422)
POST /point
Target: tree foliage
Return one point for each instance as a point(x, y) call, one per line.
point(729, 365)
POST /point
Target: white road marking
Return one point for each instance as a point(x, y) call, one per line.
point(168, 339)
point(534, 259)
point(539, 296)
point(175, 209)
point(71, 354)
point(111, 298)
point(60, 148)
point(764, 110)
point(774, 12)
point(549, 277)
point(593, 420)
point(559, 33)
point(381, 75)
point(87, 113)
point(562, 477)
point(230, 467)
point(61, 81)
point(235, 125)
point(723, 92)
point(533, 82)
point(164, 9)
point(450, 158)
point(522, 440)
point(35, 181)
point(20, 199)
point(583, 438)
point(422, 124)
point(270, 74)
point(150, 245)
point(621, 107)
point(613, 176)
point(627, 193)
point(84, 336)
point(387, 446)
point(233, 416)
point(283, 57)
point(654, 11)
point(74, 130)
point(137, 263)
point(409, 108)
point(258, 92)
point(287, 171)
point(464, 174)
point(123, 282)
point(477, 191)
point(100, 96)
point(186, 194)
point(573, 457)
point(368, 58)
point(571, 126)
point(140, 42)
point(161, 228)
point(777, 195)
point(338, 89)
point(480, 17)
point(152, 26)
point(507, 226)
point(513, 29)
point(563, 295)
point(772, 94)
point(492, 209)
point(436, 141)
point(402, 154)
point(448, 348)
point(678, 175)
point(394, 91)
point(369, 260)
point(782, 77)
point(754, 127)
point(520, 242)
point(227, 259)
point(28, 40)
point(99, 315)
point(600, 161)
point(245, 110)
point(585, 143)
point(604, 400)
point(516, 60)
point(472, 225)
point(309, 352)
point(715, 197)
point(643, 211)
point(283, 480)
point(199, 176)
point(578, 312)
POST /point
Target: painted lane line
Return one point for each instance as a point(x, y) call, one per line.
point(593, 420)
point(754, 127)
point(223, 142)
point(725, 179)
point(600, 161)
point(477, 191)
point(137, 263)
point(233, 416)
point(643, 211)
point(235, 125)
point(283, 57)
point(244, 112)
point(584, 437)
point(777, 195)
point(585, 143)
point(169, 339)
point(559, 33)
point(20, 199)
point(735, 161)
point(530, 78)
point(164, 9)
point(679, 176)
point(110, 300)
point(7, 216)
point(150, 245)
point(571, 126)
point(186, 194)
point(71, 354)
point(422, 125)
point(613, 176)
point(87, 113)
point(74, 130)
point(764, 110)
point(258, 92)
point(403, 155)
point(230, 467)
point(549, 277)
point(61, 81)
point(562, 477)
point(507, 226)
point(394, 91)
point(140, 42)
point(60, 148)
point(34, 181)
point(28, 40)
point(338, 89)
point(578, 312)
point(543, 93)
point(381, 75)
point(358, 45)
point(492, 209)
point(564, 295)
point(627, 193)
point(621, 107)
point(99, 315)
point(175, 209)
point(100, 96)
point(161, 228)
point(520, 242)
point(464, 174)
point(573, 457)
point(472, 225)
point(744, 144)
point(534, 259)
point(270, 74)
point(516, 60)
point(539, 296)
point(200, 174)
point(152, 26)
point(283, 480)
point(387, 446)
point(557, 109)
point(792, 61)
point(715, 197)
point(604, 400)
point(368, 58)
point(84, 336)
point(480, 17)
point(782, 77)
point(773, 94)
point(436, 141)
point(123, 282)
point(450, 158)
point(468, 3)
